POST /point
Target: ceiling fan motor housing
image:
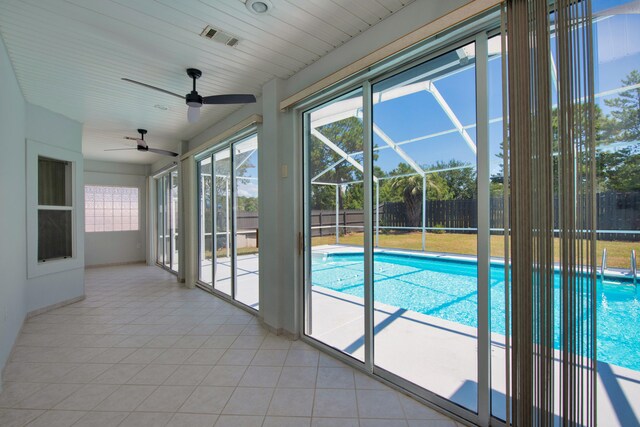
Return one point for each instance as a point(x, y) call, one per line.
point(193, 99)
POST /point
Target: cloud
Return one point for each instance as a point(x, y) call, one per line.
point(248, 190)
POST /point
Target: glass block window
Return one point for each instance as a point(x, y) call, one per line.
point(110, 208)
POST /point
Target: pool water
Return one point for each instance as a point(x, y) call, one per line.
point(447, 289)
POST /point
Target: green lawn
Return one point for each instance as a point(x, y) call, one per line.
point(223, 252)
point(618, 253)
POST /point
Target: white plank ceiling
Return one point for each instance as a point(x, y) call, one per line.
point(70, 55)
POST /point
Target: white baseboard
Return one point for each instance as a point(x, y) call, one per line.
point(113, 264)
point(54, 306)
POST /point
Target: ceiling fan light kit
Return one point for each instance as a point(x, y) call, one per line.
point(193, 114)
point(193, 99)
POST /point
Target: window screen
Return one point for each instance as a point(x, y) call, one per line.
point(55, 207)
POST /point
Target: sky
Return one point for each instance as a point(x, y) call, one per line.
point(418, 114)
point(616, 54)
point(246, 154)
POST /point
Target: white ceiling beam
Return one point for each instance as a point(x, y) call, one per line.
point(339, 151)
point(391, 143)
point(452, 116)
point(327, 169)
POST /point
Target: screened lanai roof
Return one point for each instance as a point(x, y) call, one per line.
point(402, 141)
point(417, 80)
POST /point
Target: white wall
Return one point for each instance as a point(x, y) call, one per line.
point(20, 121)
point(280, 145)
point(55, 129)
point(118, 247)
point(13, 244)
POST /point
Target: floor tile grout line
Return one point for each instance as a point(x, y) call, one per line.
point(149, 322)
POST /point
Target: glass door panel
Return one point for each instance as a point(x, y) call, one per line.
point(617, 124)
point(497, 287)
point(222, 221)
point(334, 288)
point(205, 224)
point(174, 219)
point(159, 222)
point(425, 209)
point(167, 220)
point(245, 158)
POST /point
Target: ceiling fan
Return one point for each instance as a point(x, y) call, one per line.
point(142, 145)
point(195, 101)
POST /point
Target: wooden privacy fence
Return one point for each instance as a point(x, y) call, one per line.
point(247, 220)
point(618, 216)
point(445, 214)
point(619, 211)
point(323, 222)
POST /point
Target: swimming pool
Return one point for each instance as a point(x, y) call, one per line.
point(447, 289)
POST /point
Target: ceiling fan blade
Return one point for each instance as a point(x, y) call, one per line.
point(229, 99)
point(153, 87)
point(119, 149)
point(163, 152)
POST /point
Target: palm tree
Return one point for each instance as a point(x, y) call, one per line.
point(411, 189)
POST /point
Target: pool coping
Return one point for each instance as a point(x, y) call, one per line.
point(623, 276)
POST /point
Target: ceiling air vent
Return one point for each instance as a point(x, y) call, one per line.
point(219, 36)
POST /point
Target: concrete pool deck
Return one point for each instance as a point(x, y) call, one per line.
point(247, 277)
point(441, 356)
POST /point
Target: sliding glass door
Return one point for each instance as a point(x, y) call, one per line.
point(228, 220)
point(334, 293)
point(397, 228)
point(160, 220)
point(167, 220)
point(173, 230)
point(205, 222)
point(245, 209)
point(425, 275)
point(223, 246)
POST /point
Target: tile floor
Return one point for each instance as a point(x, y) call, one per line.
point(142, 351)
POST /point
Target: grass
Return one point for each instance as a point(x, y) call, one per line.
point(618, 253)
point(222, 253)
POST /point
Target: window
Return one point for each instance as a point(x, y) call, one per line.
point(110, 208)
point(54, 215)
point(55, 208)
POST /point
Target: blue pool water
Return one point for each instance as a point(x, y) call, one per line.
point(447, 289)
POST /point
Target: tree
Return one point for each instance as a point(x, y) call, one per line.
point(348, 135)
point(604, 130)
point(411, 189)
point(625, 110)
point(247, 204)
point(353, 196)
point(460, 178)
point(619, 170)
